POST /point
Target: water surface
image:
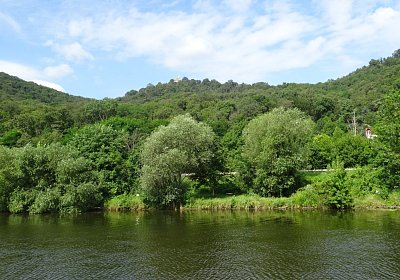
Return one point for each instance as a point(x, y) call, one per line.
point(202, 245)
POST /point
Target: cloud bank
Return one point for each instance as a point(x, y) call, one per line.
point(240, 40)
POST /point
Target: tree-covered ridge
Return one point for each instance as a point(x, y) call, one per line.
point(224, 104)
point(16, 89)
point(222, 138)
point(28, 111)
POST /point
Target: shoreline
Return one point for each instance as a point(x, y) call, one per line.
point(249, 203)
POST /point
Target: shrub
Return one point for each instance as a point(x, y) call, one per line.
point(308, 196)
point(338, 193)
point(125, 202)
point(20, 200)
point(46, 201)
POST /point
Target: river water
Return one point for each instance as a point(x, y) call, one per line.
point(202, 245)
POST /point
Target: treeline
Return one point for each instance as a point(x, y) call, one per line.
point(173, 142)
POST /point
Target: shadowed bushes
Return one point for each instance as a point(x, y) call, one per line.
point(47, 178)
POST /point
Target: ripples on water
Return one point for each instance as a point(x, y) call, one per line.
point(202, 245)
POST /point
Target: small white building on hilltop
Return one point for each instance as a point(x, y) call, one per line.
point(178, 79)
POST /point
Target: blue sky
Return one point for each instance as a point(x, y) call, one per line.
point(103, 49)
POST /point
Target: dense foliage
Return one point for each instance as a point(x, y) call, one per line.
point(64, 153)
point(183, 147)
point(274, 149)
point(47, 179)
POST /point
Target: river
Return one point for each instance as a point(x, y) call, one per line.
point(202, 245)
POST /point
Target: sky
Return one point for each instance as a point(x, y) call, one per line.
point(102, 49)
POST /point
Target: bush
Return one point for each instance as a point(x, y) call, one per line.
point(365, 181)
point(47, 178)
point(308, 196)
point(338, 193)
point(46, 201)
point(21, 200)
point(81, 198)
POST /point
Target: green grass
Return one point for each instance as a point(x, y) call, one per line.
point(369, 201)
point(242, 202)
point(125, 202)
point(310, 196)
point(375, 201)
point(304, 198)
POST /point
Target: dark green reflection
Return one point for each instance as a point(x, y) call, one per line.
point(200, 245)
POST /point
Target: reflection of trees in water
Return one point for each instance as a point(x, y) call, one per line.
point(205, 244)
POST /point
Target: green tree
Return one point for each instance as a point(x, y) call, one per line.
point(274, 148)
point(353, 150)
point(338, 193)
point(47, 178)
point(388, 127)
point(321, 151)
point(100, 110)
point(8, 176)
point(10, 139)
point(184, 146)
point(108, 150)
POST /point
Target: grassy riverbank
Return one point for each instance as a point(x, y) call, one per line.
point(305, 198)
point(125, 202)
point(297, 201)
point(338, 189)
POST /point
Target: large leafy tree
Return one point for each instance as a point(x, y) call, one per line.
point(389, 121)
point(388, 130)
point(109, 152)
point(274, 148)
point(184, 146)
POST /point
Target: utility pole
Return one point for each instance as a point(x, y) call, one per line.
point(352, 124)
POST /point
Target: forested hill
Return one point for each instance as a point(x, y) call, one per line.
point(36, 113)
point(64, 153)
point(209, 100)
point(16, 89)
point(29, 111)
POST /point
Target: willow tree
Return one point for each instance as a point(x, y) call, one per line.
point(274, 148)
point(184, 146)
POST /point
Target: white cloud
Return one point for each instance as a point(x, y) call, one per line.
point(243, 40)
point(58, 71)
point(71, 52)
point(19, 70)
point(38, 76)
point(81, 27)
point(384, 16)
point(337, 14)
point(204, 41)
point(11, 22)
point(49, 85)
point(238, 5)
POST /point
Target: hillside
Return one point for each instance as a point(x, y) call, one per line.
point(34, 110)
point(60, 153)
point(360, 91)
point(16, 89)
point(29, 110)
